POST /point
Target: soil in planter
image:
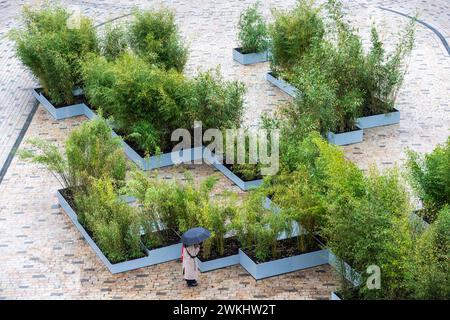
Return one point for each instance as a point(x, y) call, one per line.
point(167, 238)
point(143, 153)
point(69, 196)
point(350, 293)
point(286, 248)
point(347, 130)
point(245, 52)
point(77, 100)
point(256, 175)
point(427, 215)
point(380, 105)
point(278, 76)
point(231, 247)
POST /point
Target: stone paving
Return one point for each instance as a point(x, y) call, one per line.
point(43, 256)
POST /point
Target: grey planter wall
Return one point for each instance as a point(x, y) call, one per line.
point(173, 252)
point(150, 163)
point(89, 113)
point(244, 185)
point(379, 120)
point(342, 139)
point(282, 266)
point(296, 228)
point(268, 204)
point(205, 266)
point(164, 254)
point(250, 58)
point(153, 256)
point(334, 296)
point(59, 113)
point(345, 269)
point(166, 159)
point(282, 85)
point(162, 160)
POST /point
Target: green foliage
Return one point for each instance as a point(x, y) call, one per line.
point(293, 33)
point(364, 219)
point(367, 223)
point(384, 74)
point(145, 102)
point(329, 78)
point(337, 81)
point(148, 103)
point(430, 177)
point(155, 37)
point(216, 102)
point(258, 228)
point(53, 51)
point(252, 30)
point(431, 261)
point(114, 42)
point(50, 156)
point(113, 223)
point(182, 206)
point(91, 152)
point(245, 162)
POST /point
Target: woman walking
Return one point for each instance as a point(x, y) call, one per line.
point(190, 267)
point(191, 240)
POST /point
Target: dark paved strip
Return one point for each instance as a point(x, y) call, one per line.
point(18, 141)
point(440, 36)
point(113, 19)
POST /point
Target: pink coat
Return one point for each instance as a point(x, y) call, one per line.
point(190, 264)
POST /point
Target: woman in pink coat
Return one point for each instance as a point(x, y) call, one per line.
point(190, 268)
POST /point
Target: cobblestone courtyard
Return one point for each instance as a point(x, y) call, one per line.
point(42, 255)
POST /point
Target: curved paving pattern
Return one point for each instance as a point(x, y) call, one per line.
point(437, 32)
point(41, 253)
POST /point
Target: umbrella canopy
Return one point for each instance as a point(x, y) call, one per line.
point(195, 236)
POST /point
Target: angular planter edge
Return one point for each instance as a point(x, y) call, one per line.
point(282, 266)
point(164, 254)
point(166, 159)
point(250, 58)
point(379, 120)
point(122, 266)
point(244, 185)
point(59, 113)
point(334, 296)
point(345, 138)
point(205, 266)
point(162, 160)
point(297, 229)
point(345, 269)
point(282, 85)
point(150, 163)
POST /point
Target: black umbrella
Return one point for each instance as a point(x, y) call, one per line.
point(195, 236)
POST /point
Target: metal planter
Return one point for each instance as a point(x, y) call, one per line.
point(334, 296)
point(282, 266)
point(244, 185)
point(250, 58)
point(379, 120)
point(205, 266)
point(282, 85)
point(62, 112)
point(156, 256)
point(345, 269)
point(345, 138)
